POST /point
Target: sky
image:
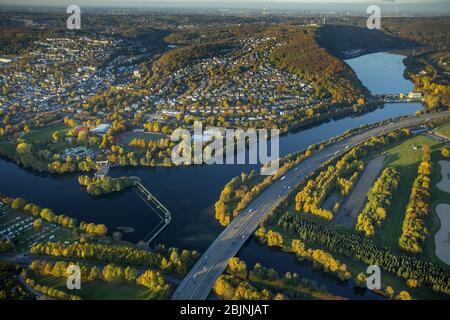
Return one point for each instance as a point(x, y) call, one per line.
point(442, 6)
point(185, 2)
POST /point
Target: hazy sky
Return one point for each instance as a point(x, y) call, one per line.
point(149, 2)
point(439, 5)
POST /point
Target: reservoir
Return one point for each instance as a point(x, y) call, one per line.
point(190, 192)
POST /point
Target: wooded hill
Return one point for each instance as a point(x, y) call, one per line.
point(330, 76)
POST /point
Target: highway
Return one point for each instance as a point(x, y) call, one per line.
point(199, 281)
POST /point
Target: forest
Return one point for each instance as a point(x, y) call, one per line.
point(330, 76)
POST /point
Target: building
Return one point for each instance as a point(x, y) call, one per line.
point(415, 95)
point(101, 129)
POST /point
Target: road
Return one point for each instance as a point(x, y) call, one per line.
point(200, 280)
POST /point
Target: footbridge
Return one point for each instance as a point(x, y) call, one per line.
point(103, 169)
point(161, 211)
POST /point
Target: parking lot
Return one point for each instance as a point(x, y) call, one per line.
point(19, 229)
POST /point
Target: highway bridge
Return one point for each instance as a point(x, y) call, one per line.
point(199, 281)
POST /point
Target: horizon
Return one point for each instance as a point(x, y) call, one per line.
point(397, 7)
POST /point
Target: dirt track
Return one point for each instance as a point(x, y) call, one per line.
point(354, 203)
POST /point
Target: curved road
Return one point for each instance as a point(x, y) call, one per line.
point(199, 281)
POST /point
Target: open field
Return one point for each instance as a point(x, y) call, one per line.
point(443, 130)
point(405, 157)
point(45, 134)
point(353, 206)
point(442, 237)
point(101, 290)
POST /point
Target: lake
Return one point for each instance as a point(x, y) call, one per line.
point(190, 193)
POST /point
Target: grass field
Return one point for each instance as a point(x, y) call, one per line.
point(433, 222)
point(101, 290)
point(444, 130)
point(40, 136)
point(406, 157)
point(45, 134)
point(7, 148)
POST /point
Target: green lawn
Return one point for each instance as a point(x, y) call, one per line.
point(444, 130)
point(438, 196)
point(406, 159)
point(45, 134)
point(126, 137)
point(7, 149)
point(101, 290)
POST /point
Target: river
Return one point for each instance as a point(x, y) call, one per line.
point(190, 193)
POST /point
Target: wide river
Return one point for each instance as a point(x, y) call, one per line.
point(190, 193)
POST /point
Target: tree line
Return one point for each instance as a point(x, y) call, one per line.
point(366, 251)
point(167, 260)
point(414, 230)
point(378, 202)
point(152, 279)
point(343, 174)
point(104, 185)
point(22, 205)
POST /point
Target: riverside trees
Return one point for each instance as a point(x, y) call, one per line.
point(104, 185)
